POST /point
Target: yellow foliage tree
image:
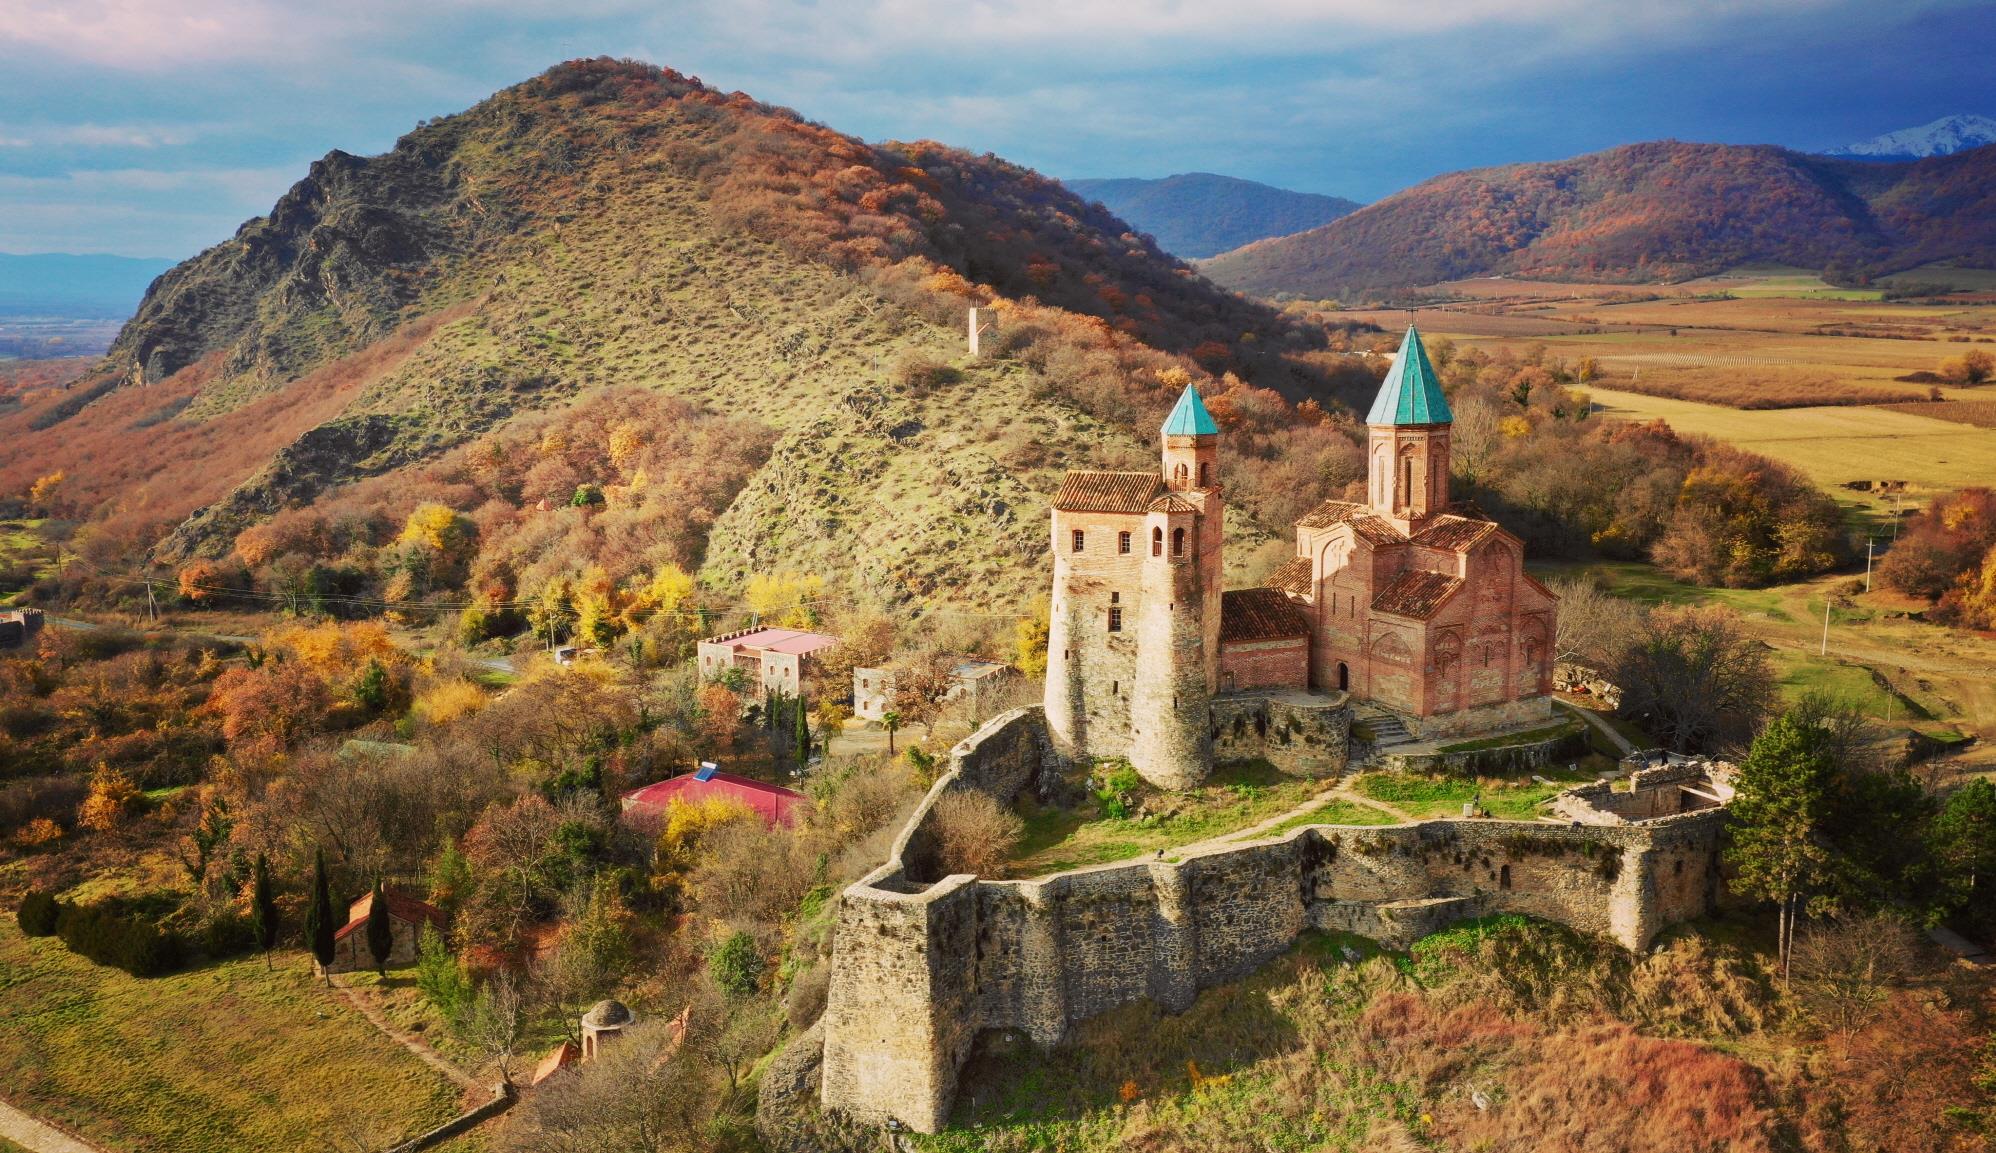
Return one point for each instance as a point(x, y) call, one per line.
point(627, 440)
point(1515, 426)
point(784, 599)
point(336, 650)
point(447, 701)
point(1030, 636)
point(112, 798)
point(441, 527)
point(684, 827)
point(44, 487)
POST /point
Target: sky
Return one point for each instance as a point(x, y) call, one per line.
point(155, 127)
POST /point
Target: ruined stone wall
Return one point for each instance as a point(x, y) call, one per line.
point(920, 964)
point(1304, 735)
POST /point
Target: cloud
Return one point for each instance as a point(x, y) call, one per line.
point(111, 136)
point(143, 35)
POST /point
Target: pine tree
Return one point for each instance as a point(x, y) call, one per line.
point(1782, 798)
point(319, 926)
point(263, 908)
point(380, 929)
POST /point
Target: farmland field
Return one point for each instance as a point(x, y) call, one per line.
point(1980, 413)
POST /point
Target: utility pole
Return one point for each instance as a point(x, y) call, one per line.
point(1867, 563)
point(152, 608)
point(1829, 599)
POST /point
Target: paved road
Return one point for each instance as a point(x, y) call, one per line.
point(29, 1133)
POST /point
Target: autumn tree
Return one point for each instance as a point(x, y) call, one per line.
point(112, 799)
point(1695, 679)
point(974, 833)
point(263, 908)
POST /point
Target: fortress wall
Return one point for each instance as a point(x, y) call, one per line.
point(920, 965)
point(1301, 735)
point(1279, 664)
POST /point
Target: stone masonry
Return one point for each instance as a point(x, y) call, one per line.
point(921, 962)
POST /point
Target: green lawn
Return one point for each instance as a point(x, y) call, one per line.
point(1235, 797)
point(1506, 740)
point(1425, 798)
point(1336, 811)
point(228, 1056)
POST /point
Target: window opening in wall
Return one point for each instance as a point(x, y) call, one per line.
point(1504, 877)
point(1115, 620)
point(1157, 542)
point(1178, 474)
point(1077, 540)
point(1205, 474)
point(1344, 677)
point(1115, 598)
point(1123, 543)
point(1178, 542)
point(1115, 688)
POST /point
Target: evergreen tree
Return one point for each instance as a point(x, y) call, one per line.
point(803, 732)
point(319, 924)
point(380, 929)
point(263, 908)
point(1781, 800)
point(1963, 843)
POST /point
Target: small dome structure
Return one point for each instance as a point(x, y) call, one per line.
point(603, 1022)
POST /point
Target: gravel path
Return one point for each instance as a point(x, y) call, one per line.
point(39, 1136)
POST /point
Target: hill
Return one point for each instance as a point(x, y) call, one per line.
point(1943, 137)
point(1198, 214)
point(611, 320)
point(1653, 212)
point(59, 284)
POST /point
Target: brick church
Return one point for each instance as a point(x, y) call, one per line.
point(1402, 600)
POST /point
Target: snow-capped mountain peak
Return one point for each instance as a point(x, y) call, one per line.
point(1947, 135)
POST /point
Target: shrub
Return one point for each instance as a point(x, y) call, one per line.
point(974, 833)
point(442, 980)
point(736, 965)
point(106, 934)
point(37, 914)
point(227, 934)
point(38, 832)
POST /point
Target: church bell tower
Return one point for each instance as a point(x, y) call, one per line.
point(1407, 443)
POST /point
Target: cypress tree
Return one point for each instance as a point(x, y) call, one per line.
point(803, 735)
point(263, 908)
point(380, 930)
point(319, 926)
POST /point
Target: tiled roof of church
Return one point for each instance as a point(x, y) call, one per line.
point(1189, 416)
point(1360, 517)
point(1263, 614)
point(1412, 391)
point(1085, 491)
point(1292, 577)
point(1172, 502)
point(1453, 532)
point(1415, 593)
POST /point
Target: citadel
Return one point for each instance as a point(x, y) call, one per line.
point(1415, 610)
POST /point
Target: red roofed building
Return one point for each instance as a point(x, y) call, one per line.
point(406, 918)
point(773, 803)
point(776, 660)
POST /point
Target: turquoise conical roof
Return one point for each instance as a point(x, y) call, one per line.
point(1412, 390)
point(1189, 416)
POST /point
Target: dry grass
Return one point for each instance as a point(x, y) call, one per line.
point(1980, 413)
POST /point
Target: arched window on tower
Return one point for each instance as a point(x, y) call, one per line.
point(1205, 474)
point(1178, 542)
point(1178, 474)
point(1157, 542)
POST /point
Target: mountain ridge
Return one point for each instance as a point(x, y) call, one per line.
point(1200, 214)
point(1943, 137)
point(1643, 213)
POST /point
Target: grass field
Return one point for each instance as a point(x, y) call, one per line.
point(1426, 798)
point(1832, 445)
point(228, 1056)
point(1336, 811)
point(1233, 798)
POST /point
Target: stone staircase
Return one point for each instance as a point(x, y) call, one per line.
point(1387, 729)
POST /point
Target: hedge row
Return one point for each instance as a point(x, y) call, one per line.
point(105, 933)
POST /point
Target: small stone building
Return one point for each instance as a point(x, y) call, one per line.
point(18, 627)
point(406, 918)
point(973, 677)
point(781, 661)
point(602, 1024)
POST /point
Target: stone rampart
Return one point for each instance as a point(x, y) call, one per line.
point(1301, 734)
point(921, 964)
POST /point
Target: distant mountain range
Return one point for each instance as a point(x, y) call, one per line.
point(1654, 212)
point(1943, 137)
point(1198, 214)
point(59, 284)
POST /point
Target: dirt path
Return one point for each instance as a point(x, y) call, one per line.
point(38, 1136)
point(1339, 793)
point(407, 1040)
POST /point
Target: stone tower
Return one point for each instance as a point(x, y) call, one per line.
point(1407, 449)
point(1133, 641)
point(1178, 628)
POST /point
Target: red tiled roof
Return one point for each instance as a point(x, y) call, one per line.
point(1360, 517)
point(1172, 502)
point(1453, 532)
point(773, 803)
point(1293, 577)
point(1264, 614)
point(1107, 491)
point(1415, 593)
point(401, 907)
